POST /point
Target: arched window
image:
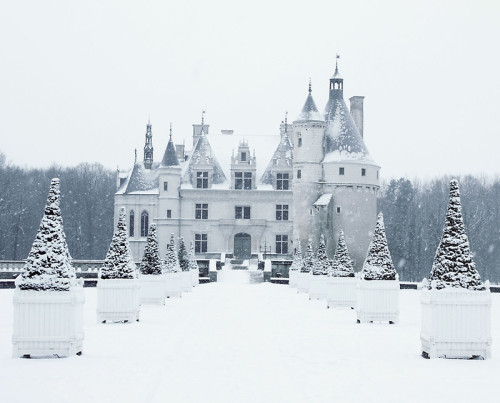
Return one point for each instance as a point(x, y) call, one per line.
point(144, 223)
point(131, 224)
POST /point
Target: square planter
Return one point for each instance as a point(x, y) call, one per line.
point(187, 282)
point(303, 282)
point(377, 301)
point(195, 277)
point(317, 286)
point(456, 323)
point(173, 284)
point(292, 278)
point(341, 291)
point(152, 289)
point(118, 300)
point(48, 322)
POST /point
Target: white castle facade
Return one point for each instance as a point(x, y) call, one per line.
point(243, 196)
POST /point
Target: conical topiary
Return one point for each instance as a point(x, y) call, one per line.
point(378, 264)
point(48, 266)
point(341, 265)
point(297, 262)
point(453, 264)
point(171, 263)
point(321, 265)
point(308, 259)
point(183, 255)
point(151, 262)
point(193, 264)
point(119, 263)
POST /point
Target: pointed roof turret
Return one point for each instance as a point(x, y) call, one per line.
point(170, 156)
point(342, 138)
point(282, 158)
point(310, 110)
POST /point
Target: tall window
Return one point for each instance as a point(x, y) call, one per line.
point(341, 171)
point(243, 180)
point(201, 211)
point(202, 180)
point(282, 244)
point(131, 223)
point(299, 173)
point(144, 223)
point(200, 243)
point(282, 212)
point(299, 139)
point(165, 186)
point(282, 181)
point(242, 212)
point(169, 213)
point(243, 157)
point(363, 172)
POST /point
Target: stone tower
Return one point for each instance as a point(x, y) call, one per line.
point(338, 180)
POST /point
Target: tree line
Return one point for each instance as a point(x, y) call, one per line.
point(87, 197)
point(414, 214)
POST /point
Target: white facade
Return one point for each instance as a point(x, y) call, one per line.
point(254, 194)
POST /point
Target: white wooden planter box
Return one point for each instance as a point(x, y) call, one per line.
point(195, 277)
point(317, 286)
point(187, 282)
point(303, 282)
point(456, 323)
point(292, 278)
point(48, 322)
point(377, 300)
point(173, 284)
point(341, 291)
point(152, 289)
point(118, 300)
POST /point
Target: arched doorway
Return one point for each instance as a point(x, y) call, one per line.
point(242, 246)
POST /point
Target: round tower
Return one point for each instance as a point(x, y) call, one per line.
point(350, 175)
point(308, 152)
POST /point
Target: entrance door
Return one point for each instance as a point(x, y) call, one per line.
point(242, 246)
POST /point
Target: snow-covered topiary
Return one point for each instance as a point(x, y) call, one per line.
point(119, 263)
point(183, 255)
point(48, 266)
point(321, 265)
point(309, 259)
point(171, 262)
point(193, 264)
point(297, 262)
point(378, 264)
point(341, 265)
point(453, 264)
point(151, 262)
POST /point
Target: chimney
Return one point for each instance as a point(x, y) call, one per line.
point(357, 112)
point(179, 150)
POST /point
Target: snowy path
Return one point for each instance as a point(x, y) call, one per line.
point(230, 342)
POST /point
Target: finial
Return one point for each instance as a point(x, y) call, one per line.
point(310, 90)
point(170, 130)
point(286, 123)
point(135, 156)
point(336, 63)
point(202, 118)
point(149, 119)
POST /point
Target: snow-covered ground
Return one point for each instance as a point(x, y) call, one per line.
point(237, 342)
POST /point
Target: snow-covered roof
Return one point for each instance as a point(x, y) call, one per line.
point(282, 157)
point(342, 138)
point(310, 110)
point(141, 180)
point(203, 153)
point(323, 200)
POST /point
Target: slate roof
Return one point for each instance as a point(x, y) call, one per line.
point(170, 156)
point(141, 180)
point(310, 110)
point(281, 157)
point(203, 153)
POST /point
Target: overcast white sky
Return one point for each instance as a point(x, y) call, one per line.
point(79, 79)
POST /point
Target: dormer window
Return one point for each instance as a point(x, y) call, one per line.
point(282, 181)
point(202, 180)
point(243, 157)
point(243, 180)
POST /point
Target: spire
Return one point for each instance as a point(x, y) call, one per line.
point(309, 110)
point(148, 147)
point(203, 118)
point(170, 156)
point(286, 123)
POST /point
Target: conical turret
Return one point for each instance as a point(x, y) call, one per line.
point(170, 156)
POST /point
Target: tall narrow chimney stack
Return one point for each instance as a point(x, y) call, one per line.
point(357, 112)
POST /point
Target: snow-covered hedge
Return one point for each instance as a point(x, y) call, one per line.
point(151, 262)
point(171, 262)
point(341, 265)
